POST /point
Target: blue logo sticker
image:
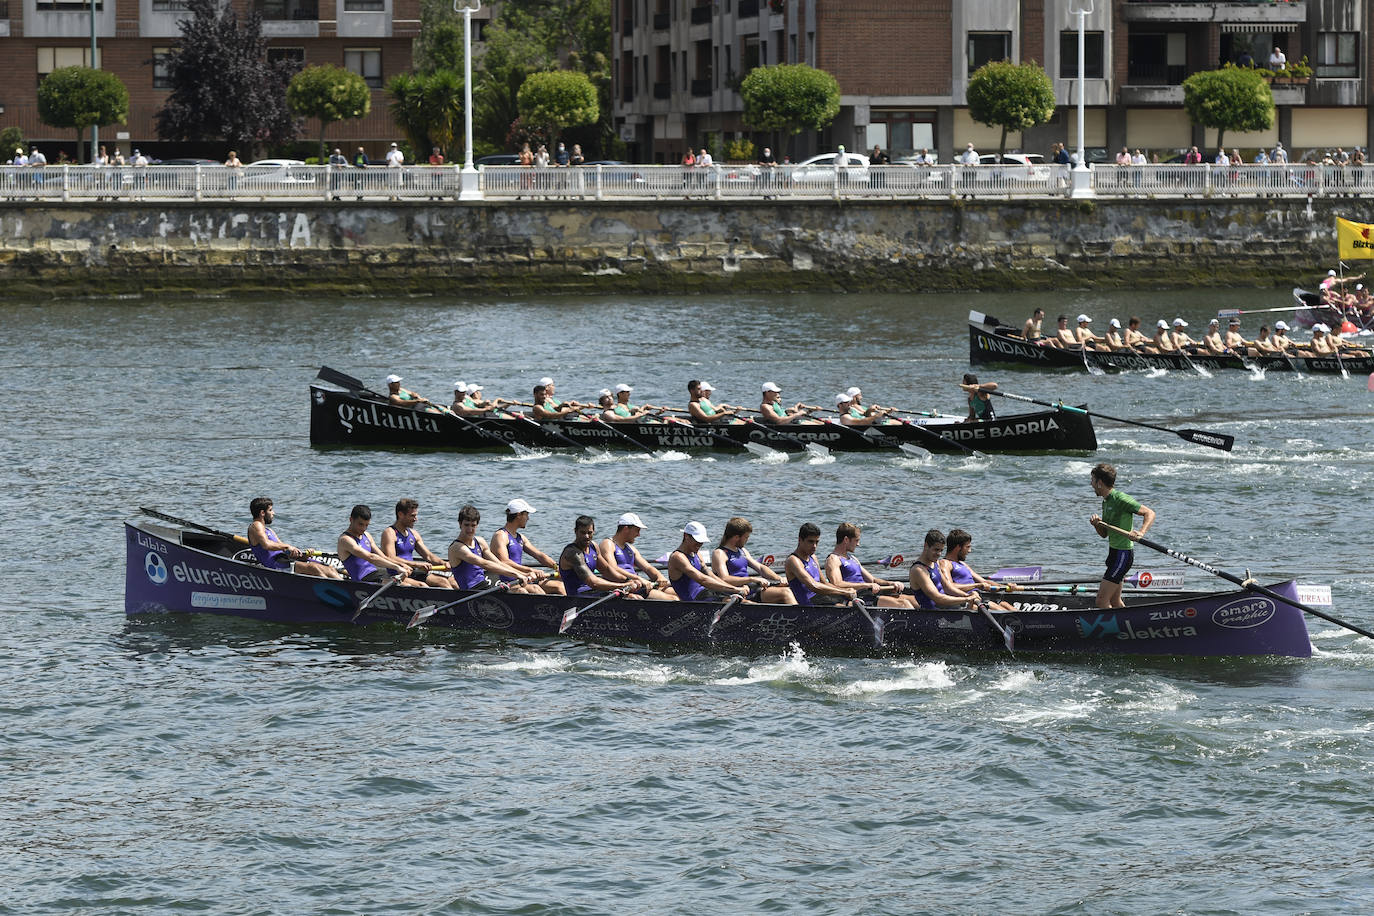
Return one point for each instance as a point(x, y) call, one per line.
point(155, 569)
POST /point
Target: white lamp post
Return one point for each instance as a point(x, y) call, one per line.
point(468, 185)
point(95, 128)
point(1080, 184)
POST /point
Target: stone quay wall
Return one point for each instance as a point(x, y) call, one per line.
point(183, 247)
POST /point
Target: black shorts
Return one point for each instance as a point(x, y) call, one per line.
point(1119, 563)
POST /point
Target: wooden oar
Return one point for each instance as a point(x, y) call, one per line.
point(754, 448)
point(429, 611)
point(1248, 584)
point(1196, 436)
point(573, 613)
point(394, 580)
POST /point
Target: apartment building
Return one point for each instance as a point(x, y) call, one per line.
point(370, 37)
point(903, 68)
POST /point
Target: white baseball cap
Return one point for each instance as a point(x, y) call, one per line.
point(1085, 318)
point(1280, 326)
point(1114, 323)
point(842, 398)
point(393, 378)
point(516, 506)
point(707, 386)
point(622, 387)
point(1180, 323)
point(1161, 323)
point(546, 381)
point(604, 393)
point(474, 387)
point(1319, 329)
point(629, 518)
point(1214, 322)
point(771, 386)
point(853, 391)
point(1331, 273)
point(460, 386)
point(696, 531)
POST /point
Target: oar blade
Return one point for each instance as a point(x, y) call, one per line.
point(1209, 439)
point(569, 616)
point(816, 450)
point(913, 451)
point(759, 449)
point(421, 616)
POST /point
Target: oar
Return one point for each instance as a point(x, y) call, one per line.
point(1235, 313)
point(429, 611)
point(555, 433)
point(906, 448)
point(1196, 436)
point(573, 613)
point(877, 623)
point(399, 577)
point(1007, 639)
point(628, 438)
point(754, 448)
point(815, 449)
point(185, 523)
point(1340, 362)
point(1092, 369)
point(1192, 365)
point(1248, 584)
point(720, 612)
point(936, 437)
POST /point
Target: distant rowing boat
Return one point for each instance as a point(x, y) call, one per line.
point(989, 341)
point(172, 570)
point(343, 417)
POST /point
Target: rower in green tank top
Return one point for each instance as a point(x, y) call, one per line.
point(772, 411)
point(624, 411)
point(545, 408)
point(700, 408)
point(849, 405)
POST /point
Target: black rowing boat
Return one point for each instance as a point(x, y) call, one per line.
point(990, 341)
point(339, 416)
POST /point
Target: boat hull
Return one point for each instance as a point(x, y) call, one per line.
point(993, 345)
point(165, 576)
point(347, 418)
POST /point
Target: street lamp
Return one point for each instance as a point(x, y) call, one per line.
point(468, 185)
point(1081, 8)
point(95, 128)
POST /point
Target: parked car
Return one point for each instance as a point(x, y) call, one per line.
point(280, 171)
point(1018, 166)
point(188, 162)
point(821, 169)
point(498, 159)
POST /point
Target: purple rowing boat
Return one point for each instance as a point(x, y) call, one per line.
point(174, 570)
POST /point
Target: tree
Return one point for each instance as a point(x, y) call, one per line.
point(1010, 96)
point(427, 108)
point(222, 84)
point(79, 97)
point(1232, 98)
point(557, 99)
point(789, 98)
point(329, 93)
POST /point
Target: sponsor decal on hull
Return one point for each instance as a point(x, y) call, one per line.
point(1004, 431)
point(1012, 348)
point(232, 581)
point(228, 602)
point(1244, 613)
point(1104, 625)
point(380, 417)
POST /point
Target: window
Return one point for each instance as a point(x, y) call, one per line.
point(295, 57)
point(986, 48)
point(1337, 54)
point(367, 63)
point(162, 77)
point(50, 59)
point(67, 6)
point(364, 6)
point(1068, 55)
point(169, 6)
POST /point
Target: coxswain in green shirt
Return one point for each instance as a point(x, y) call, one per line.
point(1118, 511)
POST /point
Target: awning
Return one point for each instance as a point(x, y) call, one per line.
point(1260, 26)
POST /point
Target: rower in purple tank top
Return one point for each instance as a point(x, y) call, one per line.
point(842, 567)
point(359, 553)
point(926, 582)
point(473, 564)
point(512, 546)
point(685, 573)
point(401, 541)
point(577, 562)
point(621, 561)
point(958, 578)
point(274, 553)
point(804, 575)
point(732, 563)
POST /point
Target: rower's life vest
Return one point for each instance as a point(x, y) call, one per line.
point(800, 590)
point(572, 584)
point(272, 559)
point(468, 574)
point(923, 600)
point(688, 589)
point(358, 568)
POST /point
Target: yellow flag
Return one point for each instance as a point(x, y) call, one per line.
point(1356, 240)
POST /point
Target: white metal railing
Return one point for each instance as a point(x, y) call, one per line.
point(670, 182)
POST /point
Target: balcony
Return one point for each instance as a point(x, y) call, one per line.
point(748, 9)
point(1289, 95)
point(701, 88)
point(702, 13)
point(1151, 95)
point(660, 21)
point(663, 90)
point(1260, 12)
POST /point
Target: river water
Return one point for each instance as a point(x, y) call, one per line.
point(224, 766)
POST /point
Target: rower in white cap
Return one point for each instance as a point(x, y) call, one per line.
point(624, 411)
point(686, 573)
point(1281, 341)
point(1084, 335)
point(1180, 338)
point(510, 545)
point(852, 413)
point(1211, 341)
point(622, 562)
point(772, 411)
point(546, 407)
point(1162, 341)
point(404, 397)
point(700, 408)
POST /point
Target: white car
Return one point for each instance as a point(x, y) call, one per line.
point(822, 168)
point(1019, 166)
point(282, 171)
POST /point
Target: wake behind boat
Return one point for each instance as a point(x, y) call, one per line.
point(343, 415)
point(172, 569)
point(991, 341)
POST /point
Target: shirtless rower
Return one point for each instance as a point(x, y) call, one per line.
point(1264, 344)
point(1063, 337)
point(1163, 342)
point(620, 561)
point(400, 541)
point(471, 404)
point(844, 569)
point(545, 408)
point(1234, 340)
point(731, 562)
point(1211, 341)
point(958, 578)
point(926, 582)
point(979, 400)
point(686, 574)
point(804, 574)
point(1281, 341)
point(1031, 329)
point(577, 563)
point(1113, 338)
point(1133, 337)
point(404, 397)
point(361, 559)
point(699, 406)
point(772, 411)
point(513, 547)
point(1084, 335)
point(624, 411)
point(1179, 337)
point(475, 566)
point(274, 553)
